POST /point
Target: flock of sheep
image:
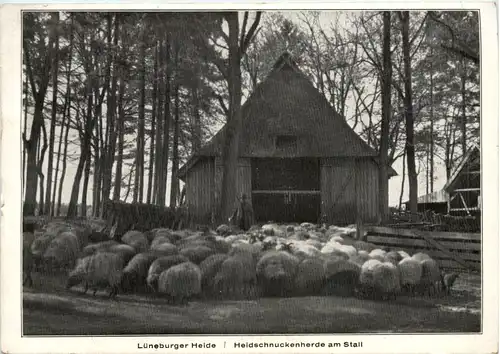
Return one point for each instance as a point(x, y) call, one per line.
point(271, 260)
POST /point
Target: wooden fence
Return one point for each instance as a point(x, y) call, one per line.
point(452, 250)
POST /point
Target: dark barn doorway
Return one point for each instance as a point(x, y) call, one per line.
point(286, 189)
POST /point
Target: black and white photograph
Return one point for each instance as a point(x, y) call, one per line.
point(252, 172)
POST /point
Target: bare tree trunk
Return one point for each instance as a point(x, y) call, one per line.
point(233, 127)
point(65, 153)
point(386, 78)
point(431, 157)
point(174, 184)
point(41, 158)
point(55, 70)
point(463, 92)
point(410, 139)
point(75, 191)
point(111, 116)
point(402, 181)
point(142, 116)
point(159, 168)
point(86, 177)
point(196, 130)
point(153, 127)
point(25, 127)
point(121, 122)
point(167, 114)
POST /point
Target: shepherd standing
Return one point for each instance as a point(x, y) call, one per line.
point(243, 215)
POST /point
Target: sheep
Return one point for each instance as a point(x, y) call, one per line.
point(393, 257)
point(79, 273)
point(242, 248)
point(410, 272)
point(307, 226)
point(159, 265)
point(276, 272)
point(310, 277)
point(164, 249)
point(378, 254)
point(39, 246)
point(100, 246)
point(364, 246)
point(341, 276)
point(126, 252)
point(314, 243)
point(158, 240)
point(334, 248)
point(300, 235)
point(28, 262)
point(62, 251)
point(403, 254)
point(136, 271)
point(420, 256)
point(431, 277)
point(379, 279)
point(223, 230)
point(209, 268)
point(448, 280)
point(303, 250)
point(360, 258)
point(236, 277)
point(180, 282)
point(137, 240)
point(197, 254)
point(104, 269)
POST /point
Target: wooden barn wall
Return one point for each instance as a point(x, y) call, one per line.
point(367, 189)
point(338, 190)
point(199, 190)
point(243, 179)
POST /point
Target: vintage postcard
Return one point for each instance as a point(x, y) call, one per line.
point(249, 178)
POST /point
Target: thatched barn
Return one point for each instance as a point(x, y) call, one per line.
point(298, 159)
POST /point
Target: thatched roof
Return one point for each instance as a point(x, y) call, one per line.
point(287, 103)
point(472, 157)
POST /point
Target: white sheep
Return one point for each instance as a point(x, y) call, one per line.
point(364, 246)
point(379, 279)
point(137, 240)
point(39, 246)
point(403, 254)
point(104, 269)
point(159, 239)
point(159, 265)
point(303, 250)
point(276, 271)
point(431, 280)
point(360, 258)
point(410, 273)
point(180, 282)
point(378, 254)
point(420, 256)
point(310, 277)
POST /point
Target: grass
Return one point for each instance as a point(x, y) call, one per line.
point(51, 310)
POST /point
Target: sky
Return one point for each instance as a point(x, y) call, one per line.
point(394, 182)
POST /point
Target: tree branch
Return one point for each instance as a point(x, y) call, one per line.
point(251, 32)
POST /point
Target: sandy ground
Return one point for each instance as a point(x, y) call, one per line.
point(51, 310)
